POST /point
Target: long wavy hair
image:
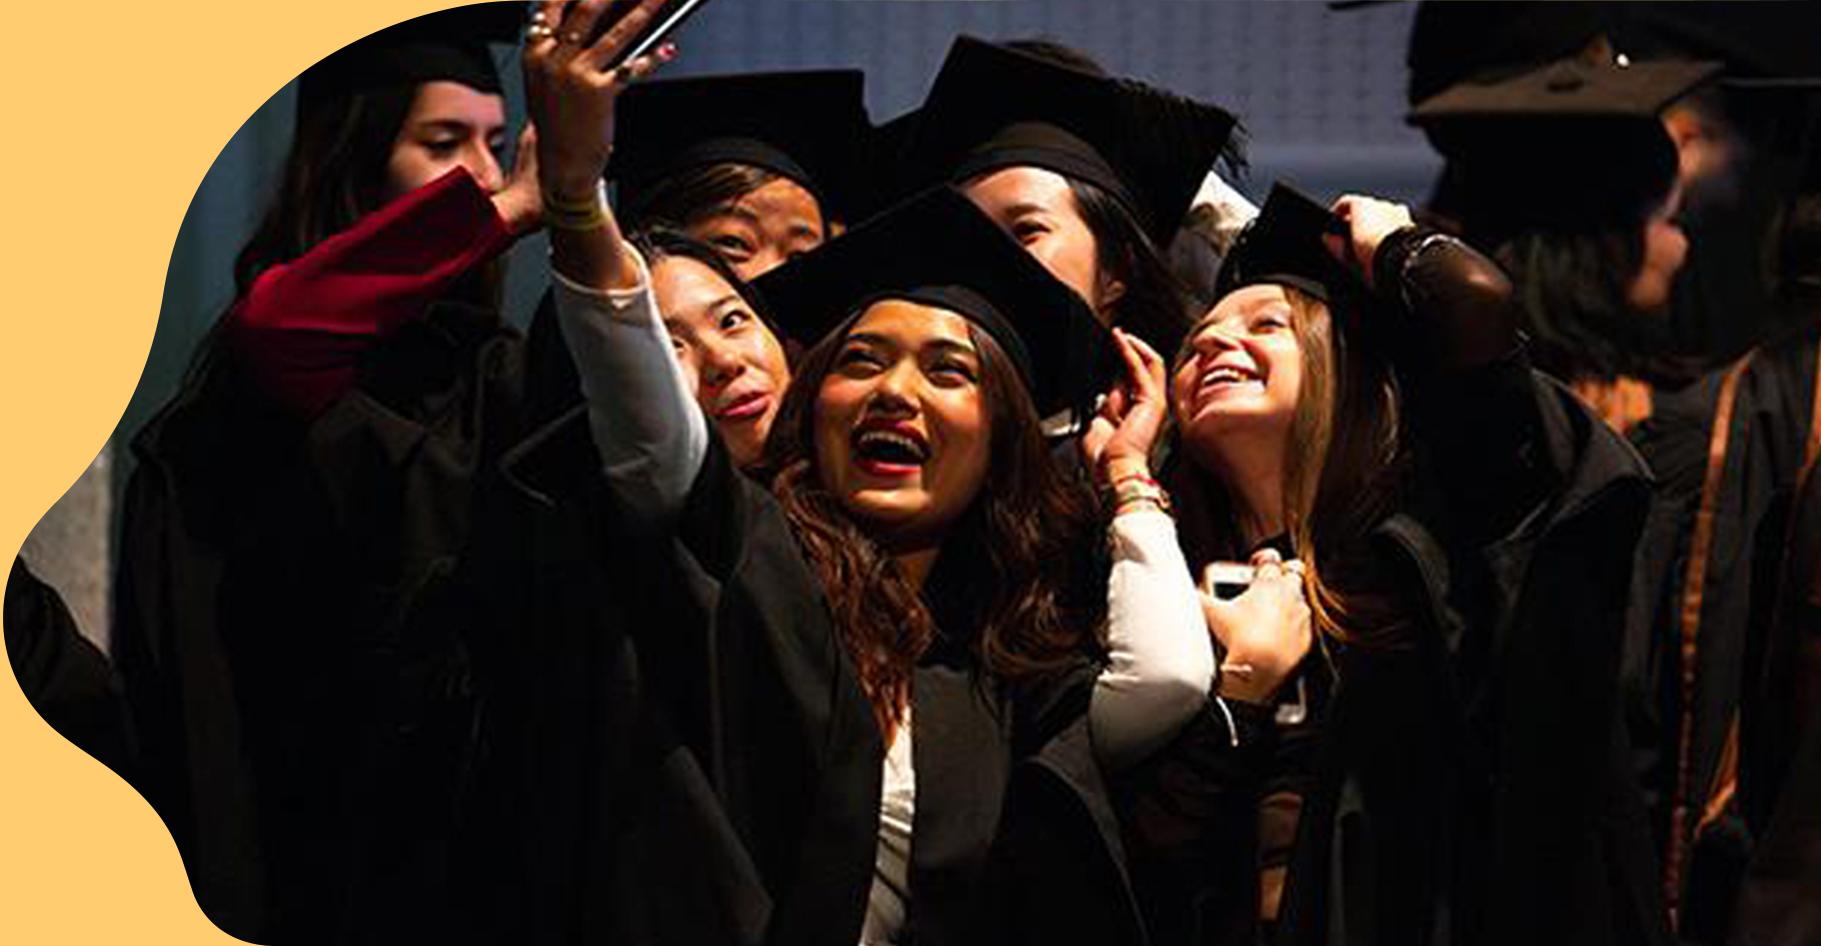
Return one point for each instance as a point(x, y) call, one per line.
point(1341, 475)
point(1017, 582)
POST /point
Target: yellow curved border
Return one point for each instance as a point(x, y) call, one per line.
point(115, 111)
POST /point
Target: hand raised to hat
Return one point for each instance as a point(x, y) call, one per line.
point(571, 92)
point(1369, 220)
point(518, 200)
point(1117, 444)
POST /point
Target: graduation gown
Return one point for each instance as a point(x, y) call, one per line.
point(63, 676)
point(303, 707)
point(1468, 784)
point(1741, 726)
point(681, 695)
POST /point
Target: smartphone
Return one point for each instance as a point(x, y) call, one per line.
point(1226, 580)
point(668, 17)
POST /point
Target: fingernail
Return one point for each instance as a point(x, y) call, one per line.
point(667, 52)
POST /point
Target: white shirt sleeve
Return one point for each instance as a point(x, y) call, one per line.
point(1230, 211)
point(647, 426)
point(1160, 664)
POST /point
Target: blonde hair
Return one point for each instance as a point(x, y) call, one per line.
point(1343, 454)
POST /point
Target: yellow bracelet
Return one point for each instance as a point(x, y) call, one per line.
point(577, 216)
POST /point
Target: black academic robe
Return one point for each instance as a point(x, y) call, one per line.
point(1777, 903)
point(1741, 707)
point(63, 676)
point(690, 757)
point(1468, 784)
point(304, 714)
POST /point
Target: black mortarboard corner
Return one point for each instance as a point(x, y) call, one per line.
point(993, 107)
point(810, 127)
point(446, 45)
point(1284, 245)
point(1570, 145)
point(940, 250)
point(1455, 40)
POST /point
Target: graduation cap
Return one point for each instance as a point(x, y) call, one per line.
point(993, 106)
point(1568, 145)
point(940, 250)
point(1453, 40)
point(809, 127)
point(1761, 44)
point(446, 45)
point(1283, 245)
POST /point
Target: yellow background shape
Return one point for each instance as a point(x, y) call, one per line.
point(114, 112)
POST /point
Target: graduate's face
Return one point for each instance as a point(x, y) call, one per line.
point(729, 357)
point(449, 125)
point(1243, 370)
point(763, 228)
point(1665, 249)
point(901, 426)
point(1038, 208)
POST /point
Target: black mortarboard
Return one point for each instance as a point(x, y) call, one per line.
point(993, 107)
point(939, 249)
point(1284, 245)
point(810, 127)
point(1455, 40)
point(1761, 44)
point(1563, 146)
point(446, 45)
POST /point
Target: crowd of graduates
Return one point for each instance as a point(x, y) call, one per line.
point(987, 525)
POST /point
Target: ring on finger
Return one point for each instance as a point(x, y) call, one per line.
point(537, 31)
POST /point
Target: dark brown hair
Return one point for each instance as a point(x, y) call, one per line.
point(334, 175)
point(1018, 572)
point(687, 198)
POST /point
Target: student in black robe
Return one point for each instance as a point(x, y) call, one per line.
point(1467, 528)
point(64, 677)
point(1723, 624)
point(299, 505)
point(1565, 175)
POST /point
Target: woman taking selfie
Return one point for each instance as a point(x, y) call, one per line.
point(878, 588)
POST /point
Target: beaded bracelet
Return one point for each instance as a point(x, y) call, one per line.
point(1139, 489)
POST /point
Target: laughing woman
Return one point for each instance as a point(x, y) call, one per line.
point(1465, 528)
point(880, 644)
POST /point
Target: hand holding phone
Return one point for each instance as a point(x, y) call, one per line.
point(1263, 628)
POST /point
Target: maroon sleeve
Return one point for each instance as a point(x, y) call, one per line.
point(302, 328)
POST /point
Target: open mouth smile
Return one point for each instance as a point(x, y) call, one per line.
point(890, 450)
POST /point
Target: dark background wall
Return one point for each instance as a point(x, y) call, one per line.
point(1320, 92)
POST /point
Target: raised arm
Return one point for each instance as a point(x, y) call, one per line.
point(1472, 403)
point(1160, 662)
point(646, 425)
point(303, 325)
